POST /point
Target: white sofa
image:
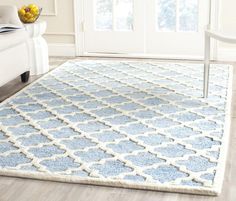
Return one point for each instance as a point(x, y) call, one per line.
point(14, 56)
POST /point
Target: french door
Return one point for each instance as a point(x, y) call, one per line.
point(165, 28)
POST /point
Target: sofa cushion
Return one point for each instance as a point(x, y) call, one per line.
point(9, 15)
point(8, 40)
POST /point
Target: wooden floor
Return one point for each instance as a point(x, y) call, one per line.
point(16, 189)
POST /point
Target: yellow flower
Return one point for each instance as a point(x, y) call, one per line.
point(34, 11)
point(31, 6)
point(28, 15)
point(22, 12)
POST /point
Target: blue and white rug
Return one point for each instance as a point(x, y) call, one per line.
point(142, 125)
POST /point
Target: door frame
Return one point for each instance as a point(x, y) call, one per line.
point(79, 27)
point(80, 35)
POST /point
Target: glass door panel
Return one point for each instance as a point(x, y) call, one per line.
point(177, 15)
point(114, 15)
point(166, 15)
point(123, 15)
point(103, 14)
point(188, 15)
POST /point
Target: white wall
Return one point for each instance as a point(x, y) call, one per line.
point(59, 15)
point(228, 25)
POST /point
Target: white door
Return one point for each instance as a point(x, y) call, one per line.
point(113, 26)
point(172, 28)
point(176, 27)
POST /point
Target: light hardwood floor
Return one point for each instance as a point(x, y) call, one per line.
point(16, 189)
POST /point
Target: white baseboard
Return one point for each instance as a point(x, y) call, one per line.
point(61, 49)
point(64, 49)
point(226, 54)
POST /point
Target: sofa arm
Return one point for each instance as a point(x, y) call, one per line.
point(9, 15)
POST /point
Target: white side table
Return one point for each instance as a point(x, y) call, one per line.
point(38, 48)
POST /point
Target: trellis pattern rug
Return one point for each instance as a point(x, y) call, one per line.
point(142, 125)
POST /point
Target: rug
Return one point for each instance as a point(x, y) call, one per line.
point(141, 125)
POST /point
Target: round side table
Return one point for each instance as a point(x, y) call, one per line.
point(38, 48)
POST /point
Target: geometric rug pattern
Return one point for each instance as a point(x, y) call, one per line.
point(141, 125)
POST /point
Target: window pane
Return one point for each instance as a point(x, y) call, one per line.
point(124, 14)
point(188, 19)
point(166, 19)
point(103, 14)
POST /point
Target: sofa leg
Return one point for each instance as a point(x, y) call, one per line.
point(25, 76)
